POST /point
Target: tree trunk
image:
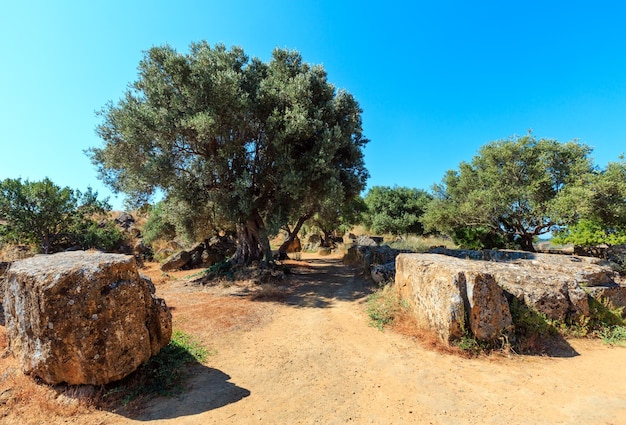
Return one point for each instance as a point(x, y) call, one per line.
point(526, 242)
point(293, 234)
point(252, 242)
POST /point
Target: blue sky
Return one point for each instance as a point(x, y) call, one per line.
point(436, 80)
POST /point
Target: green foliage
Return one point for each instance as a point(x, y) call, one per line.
point(255, 143)
point(518, 188)
point(603, 215)
point(158, 225)
point(478, 238)
point(590, 233)
point(530, 323)
point(604, 314)
point(395, 210)
point(164, 373)
point(52, 217)
point(90, 234)
point(614, 335)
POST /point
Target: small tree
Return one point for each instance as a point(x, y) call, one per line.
point(51, 217)
point(395, 210)
point(518, 188)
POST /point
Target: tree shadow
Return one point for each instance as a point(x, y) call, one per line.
point(206, 389)
point(322, 283)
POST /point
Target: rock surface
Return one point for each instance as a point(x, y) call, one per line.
point(4, 265)
point(82, 317)
point(449, 292)
point(203, 254)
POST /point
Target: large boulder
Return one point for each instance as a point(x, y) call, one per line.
point(82, 317)
point(176, 261)
point(459, 288)
point(366, 256)
point(554, 285)
point(447, 295)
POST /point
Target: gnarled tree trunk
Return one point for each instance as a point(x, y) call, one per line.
point(282, 251)
point(252, 241)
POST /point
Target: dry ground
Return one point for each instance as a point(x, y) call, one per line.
point(312, 358)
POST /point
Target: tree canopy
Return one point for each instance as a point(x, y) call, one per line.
point(258, 142)
point(52, 217)
point(603, 211)
point(395, 210)
point(517, 188)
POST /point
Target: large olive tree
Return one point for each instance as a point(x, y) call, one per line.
point(254, 140)
point(517, 188)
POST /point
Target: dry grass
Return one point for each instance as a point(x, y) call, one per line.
point(15, 252)
point(31, 402)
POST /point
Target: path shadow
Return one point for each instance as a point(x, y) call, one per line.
point(206, 389)
point(321, 283)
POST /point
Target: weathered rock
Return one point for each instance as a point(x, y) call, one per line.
point(195, 256)
point(551, 284)
point(557, 286)
point(83, 317)
point(176, 261)
point(383, 273)
point(125, 220)
point(142, 252)
point(4, 265)
point(447, 295)
point(313, 242)
point(615, 294)
point(365, 257)
point(368, 240)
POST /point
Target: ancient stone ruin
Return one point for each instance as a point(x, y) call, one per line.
point(82, 317)
point(454, 291)
point(203, 254)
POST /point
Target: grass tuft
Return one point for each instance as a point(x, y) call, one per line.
point(382, 308)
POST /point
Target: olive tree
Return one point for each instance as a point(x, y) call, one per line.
point(52, 217)
point(517, 188)
point(602, 211)
point(395, 210)
point(256, 140)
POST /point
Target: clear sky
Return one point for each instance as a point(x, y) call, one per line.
point(436, 80)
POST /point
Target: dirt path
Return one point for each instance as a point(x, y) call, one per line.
point(314, 359)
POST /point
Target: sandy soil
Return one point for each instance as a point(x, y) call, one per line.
point(313, 358)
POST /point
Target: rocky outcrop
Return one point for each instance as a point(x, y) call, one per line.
point(368, 240)
point(82, 317)
point(555, 285)
point(383, 273)
point(450, 296)
point(176, 261)
point(204, 254)
point(367, 256)
point(464, 290)
point(4, 265)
